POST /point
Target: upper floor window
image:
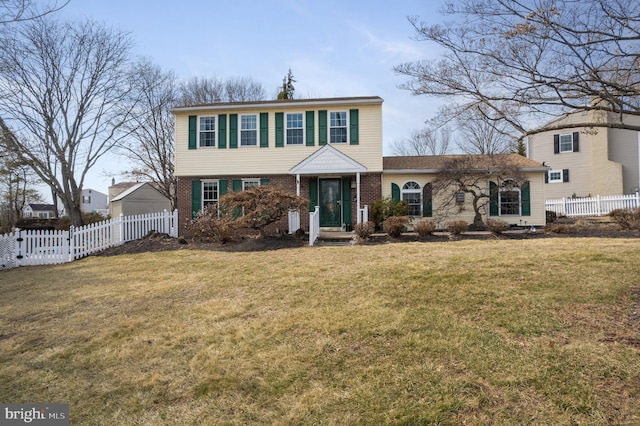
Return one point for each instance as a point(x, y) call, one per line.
point(295, 129)
point(509, 198)
point(210, 192)
point(86, 199)
point(412, 194)
point(207, 131)
point(566, 143)
point(338, 127)
point(248, 130)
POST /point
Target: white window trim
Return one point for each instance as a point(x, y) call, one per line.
point(346, 112)
point(559, 180)
point(304, 126)
point(413, 191)
point(250, 180)
point(257, 130)
point(514, 188)
point(215, 132)
point(202, 199)
point(560, 143)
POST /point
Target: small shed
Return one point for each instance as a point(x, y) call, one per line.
point(141, 198)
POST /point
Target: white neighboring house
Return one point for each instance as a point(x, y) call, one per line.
point(140, 198)
point(38, 211)
point(94, 202)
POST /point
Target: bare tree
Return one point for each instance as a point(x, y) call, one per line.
point(16, 188)
point(470, 174)
point(62, 91)
point(480, 133)
point(150, 144)
point(209, 90)
point(423, 142)
point(25, 10)
point(528, 61)
point(243, 89)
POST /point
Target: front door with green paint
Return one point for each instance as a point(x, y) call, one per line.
point(330, 211)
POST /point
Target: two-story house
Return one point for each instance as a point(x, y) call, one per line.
point(587, 159)
point(94, 202)
point(329, 150)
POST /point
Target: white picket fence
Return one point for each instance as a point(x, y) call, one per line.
point(43, 247)
point(592, 206)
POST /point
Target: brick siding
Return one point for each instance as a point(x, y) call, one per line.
point(370, 190)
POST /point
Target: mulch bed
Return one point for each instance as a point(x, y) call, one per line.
point(162, 242)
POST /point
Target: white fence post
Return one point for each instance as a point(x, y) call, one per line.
point(71, 243)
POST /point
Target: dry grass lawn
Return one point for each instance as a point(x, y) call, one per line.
point(470, 332)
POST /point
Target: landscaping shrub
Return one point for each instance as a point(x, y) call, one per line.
point(385, 208)
point(626, 218)
point(457, 227)
point(394, 226)
point(497, 226)
point(208, 225)
point(425, 227)
point(551, 216)
point(365, 229)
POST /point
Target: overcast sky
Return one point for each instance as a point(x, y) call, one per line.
point(335, 49)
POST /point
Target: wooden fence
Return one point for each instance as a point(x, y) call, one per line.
point(43, 247)
point(592, 206)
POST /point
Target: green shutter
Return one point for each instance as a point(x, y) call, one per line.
point(222, 131)
point(353, 127)
point(223, 187)
point(322, 127)
point(313, 193)
point(525, 199)
point(196, 198)
point(193, 131)
point(264, 130)
point(309, 122)
point(236, 185)
point(264, 181)
point(279, 129)
point(346, 200)
point(427, 200)
point(395, 192)
point(493, 199)
point(233, 130)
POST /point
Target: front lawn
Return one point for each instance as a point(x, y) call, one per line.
point(541, 331)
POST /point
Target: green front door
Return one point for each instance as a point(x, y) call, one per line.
point(330, 208)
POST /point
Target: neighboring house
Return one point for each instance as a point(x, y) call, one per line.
point(586, 159)
point(328, 150)
point(139, 198)
point(38, 211)
point(94, 202)
point(409, 178)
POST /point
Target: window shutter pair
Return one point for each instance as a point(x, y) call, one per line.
point(196, 194)
point(525, 199)
point(576, 142)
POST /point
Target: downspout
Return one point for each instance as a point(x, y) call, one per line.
point(358, 218)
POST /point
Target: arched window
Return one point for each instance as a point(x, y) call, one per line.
point(412, 194)
point(509, 198)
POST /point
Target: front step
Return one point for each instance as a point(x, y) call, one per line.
point(333, 238)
